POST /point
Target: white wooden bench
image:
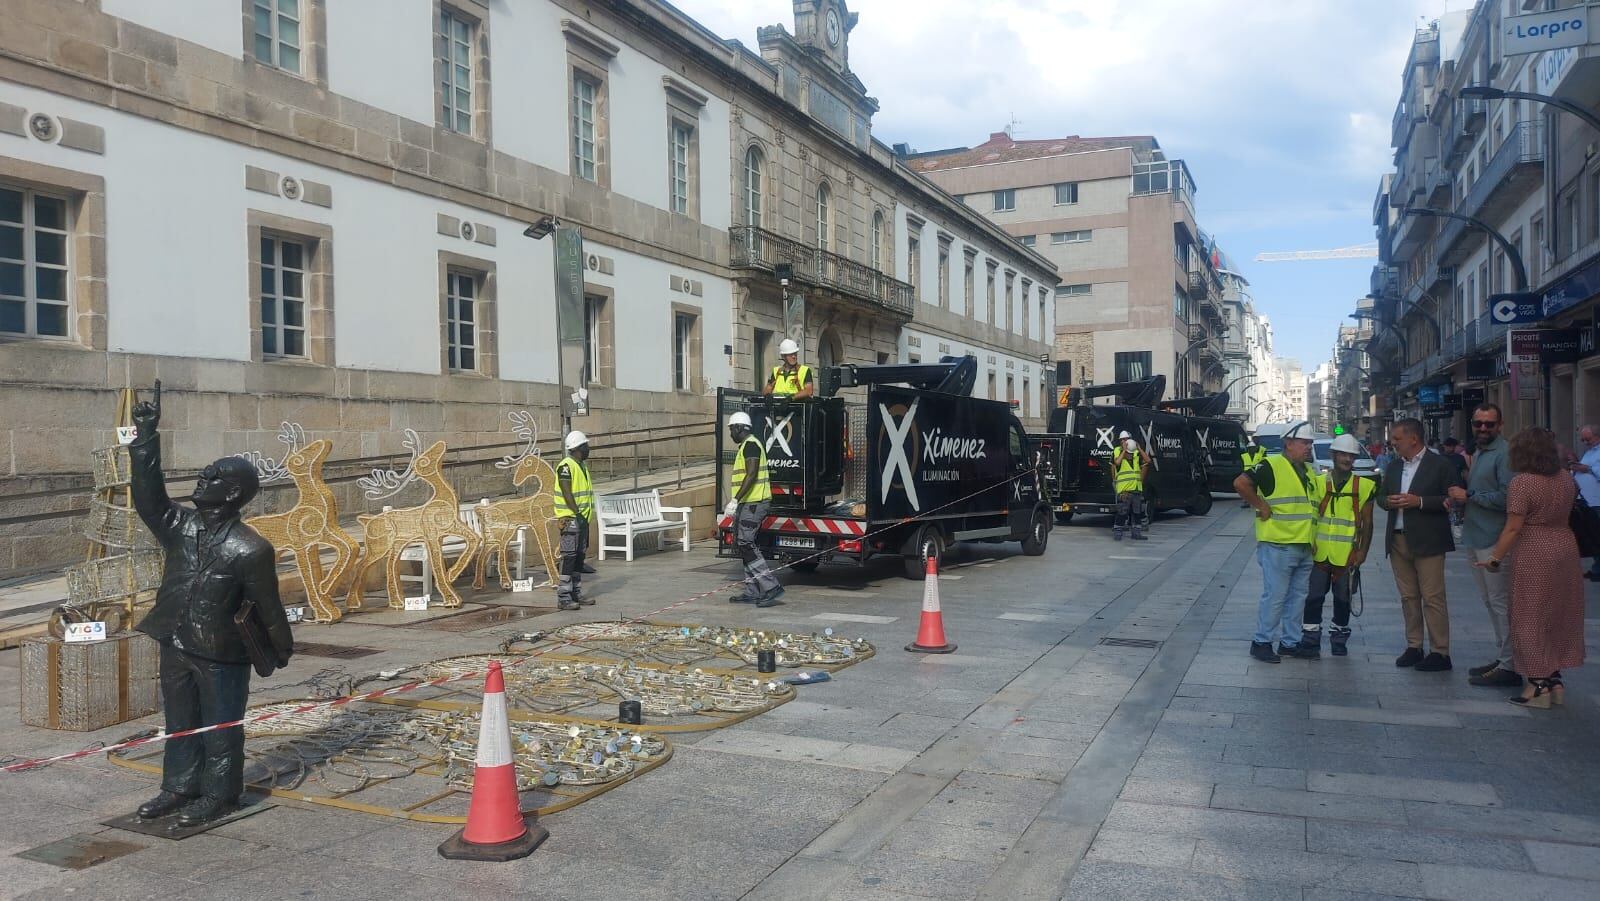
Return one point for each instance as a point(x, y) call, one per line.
point(455, 547)
point(627, 516)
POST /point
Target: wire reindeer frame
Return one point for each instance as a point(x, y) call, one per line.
point(500, 521)
point(311, 524)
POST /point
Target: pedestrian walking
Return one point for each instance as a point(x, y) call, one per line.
point(1484, 499)
point(791, 378)
point(1587, 473)
point(751, 491)
point(1546, 593)
point(1343, 534)
point(1416, 486)
point(1284, 493)
point(1130, 466)
point(1453, 455)
point(574, 511)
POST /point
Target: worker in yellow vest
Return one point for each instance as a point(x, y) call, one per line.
point(1343, 534)
point(751, 492)
point(1284, 491)
point(574, 509)
point(1129, 465)
point(792, 378)
point(1250, 456)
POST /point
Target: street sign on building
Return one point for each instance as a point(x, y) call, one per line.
point(1553, 30)
point(1557, 346)
point(1516, 309)
point(1522, 346)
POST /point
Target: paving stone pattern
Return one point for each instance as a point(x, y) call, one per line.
point(1036, 762)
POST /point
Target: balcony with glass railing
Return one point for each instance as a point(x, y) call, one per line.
point(757, 248)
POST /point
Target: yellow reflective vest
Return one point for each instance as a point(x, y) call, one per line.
point(787, 384)
point(1338, 513)
point(1251, 457)
point(1293, 503)
point(1130, 472)
point(762, 489)
point(582, 490)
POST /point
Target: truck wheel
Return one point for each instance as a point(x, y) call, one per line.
point(1200, 506)
point(805, 566)
point(927, 543)
point(1038, 534)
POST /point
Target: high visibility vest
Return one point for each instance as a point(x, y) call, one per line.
point(1130, 472)
point(1337, 517)
point(1251, 457)
point(1294, 507)
point(786, 384)
point(762, 489)
point(582, 490)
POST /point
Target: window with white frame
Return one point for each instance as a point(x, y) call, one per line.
point(1005, 200)
point(1073, 237)
point(877, 240)
point(824, 215)
point(284, 262)
point(680, 140)
point(277, 33)
point(591, 338)
point(1066, 193)
point(1074, 290)
point(1029, 240)
point(682, 351)
point(455, 71)
point(752, 187)
point(585, 94)
point(33, 264)
point(461, 320)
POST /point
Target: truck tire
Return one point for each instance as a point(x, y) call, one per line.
point(1038, 534)
point(1200, 506)
point(927, 542)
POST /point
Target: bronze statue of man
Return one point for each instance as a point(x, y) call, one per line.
point(215, 563)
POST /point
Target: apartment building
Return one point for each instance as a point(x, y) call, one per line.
point(314, 211)
point(1246, 349)
point(1140, 291)
point(1524, 170)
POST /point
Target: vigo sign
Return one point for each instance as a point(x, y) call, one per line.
point(1554, 30)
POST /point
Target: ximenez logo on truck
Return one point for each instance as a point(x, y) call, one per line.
point(950, 447)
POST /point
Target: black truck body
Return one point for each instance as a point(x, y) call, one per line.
point(1221, 441)
point(907, 473)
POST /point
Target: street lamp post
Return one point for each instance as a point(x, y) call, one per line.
point(1566, 106)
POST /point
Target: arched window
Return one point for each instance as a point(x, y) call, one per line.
point(830, 350)
point(752, 187)
point(824, 215)
point(877, 240)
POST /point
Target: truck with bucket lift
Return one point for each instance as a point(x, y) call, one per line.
point(1221, 441)
point(916, 466)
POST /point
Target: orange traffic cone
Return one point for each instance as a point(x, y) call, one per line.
point(930, 635)
point(495, 828)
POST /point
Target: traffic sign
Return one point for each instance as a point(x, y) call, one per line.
point(1517, 308)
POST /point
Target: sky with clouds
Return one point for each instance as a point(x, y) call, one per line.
point(1281, 108)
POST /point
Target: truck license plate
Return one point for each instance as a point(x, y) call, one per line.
point(796, 542)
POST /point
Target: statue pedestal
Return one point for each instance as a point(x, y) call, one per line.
point(89, 685)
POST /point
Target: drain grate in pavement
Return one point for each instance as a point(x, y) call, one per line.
point(1130, 642)
point(79, 852)
point(336, 651)
point(478, 619)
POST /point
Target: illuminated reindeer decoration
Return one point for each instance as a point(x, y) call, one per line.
point(312, 524)
point(501, 521)
point(389, 533)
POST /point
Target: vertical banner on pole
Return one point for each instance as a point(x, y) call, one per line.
point(569, 322)
point(794, 316)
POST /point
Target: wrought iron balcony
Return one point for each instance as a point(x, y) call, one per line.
point(1517, 164)
point(757, 248)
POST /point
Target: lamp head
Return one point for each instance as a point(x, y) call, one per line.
point(542, 228)
point(1482, 90)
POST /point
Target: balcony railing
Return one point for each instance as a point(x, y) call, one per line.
point(757, 248)
point(1521, 152)
point(1470, 113)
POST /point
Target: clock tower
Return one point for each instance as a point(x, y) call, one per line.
point(823, 26)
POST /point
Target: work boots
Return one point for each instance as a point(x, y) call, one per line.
point(204, 809)
point(1310, 646)
point(1337, 640)
point(162, 804)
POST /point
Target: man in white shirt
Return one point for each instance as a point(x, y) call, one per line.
point(1587, 473)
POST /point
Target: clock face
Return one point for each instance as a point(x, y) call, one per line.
point(832, 23)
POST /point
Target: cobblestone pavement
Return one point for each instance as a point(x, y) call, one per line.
point(1100, 733)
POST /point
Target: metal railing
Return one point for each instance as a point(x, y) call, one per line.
point(757, 248)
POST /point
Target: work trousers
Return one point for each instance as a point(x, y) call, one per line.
point(1324, 577)
point(747, 520)
point(1495, 589)
point(1285, 581)
point(1130, 512)
point(197, 692)
point(574, 544)
point(1420, 581)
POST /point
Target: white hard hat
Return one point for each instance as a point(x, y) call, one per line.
point(1124, 434)
point(787, 346)
point(1346, 444)
point(739, 418)
point(576, 439)
point(1299, 428)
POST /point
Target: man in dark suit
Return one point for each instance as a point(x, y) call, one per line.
point(214, 563)
point(1416, 485)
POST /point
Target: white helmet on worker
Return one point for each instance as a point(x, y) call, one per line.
point(738, 419)
point(1346, 444)
point(1298, 429)
point(1124, 434)
point(576, 439)
point(787, 346)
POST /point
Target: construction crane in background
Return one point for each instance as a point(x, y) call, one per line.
point(1356, 252)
